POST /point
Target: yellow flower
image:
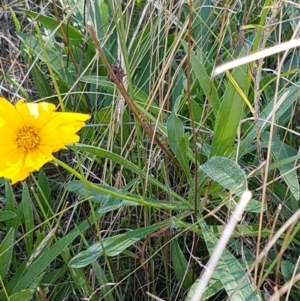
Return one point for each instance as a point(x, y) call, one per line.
point(30, 133)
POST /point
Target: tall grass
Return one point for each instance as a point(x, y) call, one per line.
point(136, 209)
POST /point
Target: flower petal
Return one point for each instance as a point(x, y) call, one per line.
point(62, 129)
point(9, 114)
point(36, 114)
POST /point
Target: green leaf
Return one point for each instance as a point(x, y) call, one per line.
point(253, 206)
point(113, 246)
point(180, 266)
point(242, 230)
point(179, 143)
point(40, 81)
point(79, 10)
point(15, 19)
point(229, 271)
point(28, 218)
point(6, 251)
point(213, 287)
point(9, 196)
point(44, 192)
point(227, 173)
point(100, 15)
point(6, 215)
point(288, 269)
point(24, 295)
point(110, 205)
point(229, 114)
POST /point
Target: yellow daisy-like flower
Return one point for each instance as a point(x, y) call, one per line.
point(30, 133)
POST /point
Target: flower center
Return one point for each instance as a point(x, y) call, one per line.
point(27, 138)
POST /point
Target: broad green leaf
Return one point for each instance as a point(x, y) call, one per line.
point(9, 196)
point(6, 215)
point(17, 221)
point(229, 271)
point(242, 230)
point(197, 111)
point(279, 152)
point(229, 114)
point(6, 251)
point(213, 287)
point(108, 202)
point(288, 268)
point(227, 173)
point(110, 205)
point(203, 19)
point(179, 143)
point(24, 295)
point(113, 246)
point(98, 80)
point(253, 206)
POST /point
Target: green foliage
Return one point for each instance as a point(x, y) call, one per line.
point(120, 215)
point(181, 266)
point(6, 215)
point(227, 173)
point(112, 246)
point(230, 272)
point(230, 113)
point(179, 143)
point(6, 251)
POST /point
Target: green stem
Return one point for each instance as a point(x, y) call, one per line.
point(159, 204)
point(107, 191)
